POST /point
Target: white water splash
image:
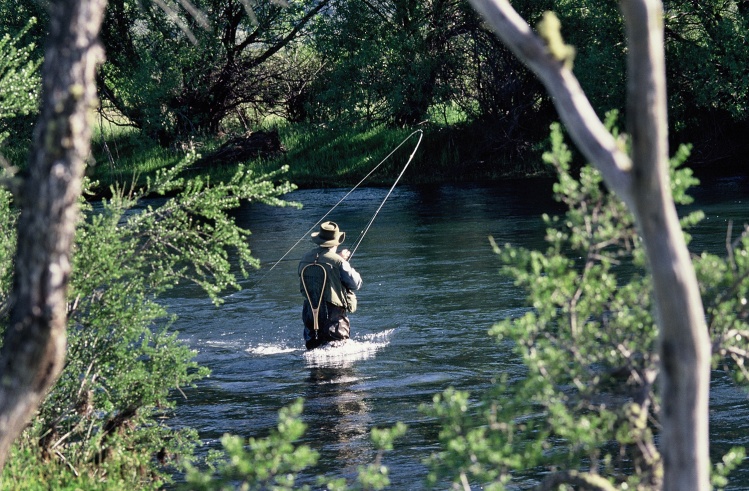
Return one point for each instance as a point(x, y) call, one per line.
point(379, 337)
point(343, 353)
point(269, 349)
point(332, 354)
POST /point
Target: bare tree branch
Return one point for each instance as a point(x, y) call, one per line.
point(574, 109)
point(581, 481)
point(683, 335)
point(644, 186)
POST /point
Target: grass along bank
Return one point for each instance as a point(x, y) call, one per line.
point(326, 156)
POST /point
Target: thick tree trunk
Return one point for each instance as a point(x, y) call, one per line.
point(643, 184)
point(33, 350)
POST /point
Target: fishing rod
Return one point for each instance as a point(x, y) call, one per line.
point(366, 229)
point(421, 134)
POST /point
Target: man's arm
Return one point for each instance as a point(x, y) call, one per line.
point(350, 277)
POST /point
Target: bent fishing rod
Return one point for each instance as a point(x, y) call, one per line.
point(366, 229)
point(361, 236)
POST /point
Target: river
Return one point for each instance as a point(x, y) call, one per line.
point(431, 291)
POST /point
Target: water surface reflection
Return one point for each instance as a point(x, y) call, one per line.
point(431, 292)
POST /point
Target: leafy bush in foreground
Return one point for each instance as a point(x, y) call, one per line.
point(585, 414)
point(19, 80)
point(274, 462)
point(105, 423)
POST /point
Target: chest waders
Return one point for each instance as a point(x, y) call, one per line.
point(310, 273)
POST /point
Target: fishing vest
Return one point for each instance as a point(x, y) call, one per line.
point(334, 292)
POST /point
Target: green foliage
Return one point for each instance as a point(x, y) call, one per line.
point(266, 463)
point(8, 218)
point(585, 413)
point(19, 79)
point(26, 470)
point(478, 445)
point(730, 461)
point(274, 462)
point(175, 72)
point(724, 285)
point(596, 31)
point(106, 419)
point(705, 53)
point(394, 60)
point(125, 154)
point(708, 57)
point(375, 475)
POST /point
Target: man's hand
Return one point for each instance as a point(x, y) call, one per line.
point(345, 254)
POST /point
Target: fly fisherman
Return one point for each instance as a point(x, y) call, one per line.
point(327, 282)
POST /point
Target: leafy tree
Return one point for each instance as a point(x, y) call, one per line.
point(707, 43)
point(586, 412)
point(19, 79)
point(175, 72)
point(596, 30)
point(19, 85)
point(33, 350)
point(16, 17)
point(403, 62)
point(642, 183)
point(395, 59)
point(708, 74)
point(101, 417)
point(104, 415)
point(706, 65)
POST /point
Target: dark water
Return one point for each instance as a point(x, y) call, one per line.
point(431, 291)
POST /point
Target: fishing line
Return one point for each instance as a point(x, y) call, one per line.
point(366, 229)
point(421, 134)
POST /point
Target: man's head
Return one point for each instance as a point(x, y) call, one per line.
point(328, 235)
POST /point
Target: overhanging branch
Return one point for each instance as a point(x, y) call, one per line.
point(584, 126)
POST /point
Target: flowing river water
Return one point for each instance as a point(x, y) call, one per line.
point(431, 291)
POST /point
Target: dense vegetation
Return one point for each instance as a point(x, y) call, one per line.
point(325, 72)
point(341, 83)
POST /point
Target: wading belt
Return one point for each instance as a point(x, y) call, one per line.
point(313, 277)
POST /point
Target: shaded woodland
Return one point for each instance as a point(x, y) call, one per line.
point(225, 69)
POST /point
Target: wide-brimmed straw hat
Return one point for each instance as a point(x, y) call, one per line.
point(329, 235)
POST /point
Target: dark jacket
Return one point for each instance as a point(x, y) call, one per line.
point(339, 278)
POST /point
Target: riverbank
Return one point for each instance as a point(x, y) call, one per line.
point(320, 157)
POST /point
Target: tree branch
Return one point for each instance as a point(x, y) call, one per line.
point(584, 126)
point(643, 184)
point(683, 335)
point(276, 47)
point(579, 480)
